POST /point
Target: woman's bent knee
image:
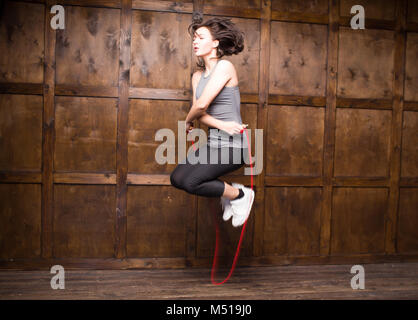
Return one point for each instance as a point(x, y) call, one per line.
point(174, 180)
point(190, 188)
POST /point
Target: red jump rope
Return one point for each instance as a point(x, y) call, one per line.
point(217, 228)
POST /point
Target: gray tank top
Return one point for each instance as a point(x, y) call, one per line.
point(226, 107)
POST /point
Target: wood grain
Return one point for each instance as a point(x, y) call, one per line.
point(80, 107)
point(387, 281)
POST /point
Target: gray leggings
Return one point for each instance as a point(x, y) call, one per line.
point(201, 178)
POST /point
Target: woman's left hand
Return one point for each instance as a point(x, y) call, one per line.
point(189, 127)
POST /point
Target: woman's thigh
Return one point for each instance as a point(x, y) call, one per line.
point(207, 163)
point(215, 163)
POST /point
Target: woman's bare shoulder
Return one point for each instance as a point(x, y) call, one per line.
point(197, 73)
point(196, 76)
point(228, 64)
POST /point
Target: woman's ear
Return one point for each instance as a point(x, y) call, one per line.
point(216, 44)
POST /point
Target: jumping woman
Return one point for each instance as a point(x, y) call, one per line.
point(216, 103)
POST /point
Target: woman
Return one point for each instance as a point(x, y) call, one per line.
point(216, 103)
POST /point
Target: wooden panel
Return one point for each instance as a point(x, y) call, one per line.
point(362, 143)
point(294, 141)
point(396, 128)
point(410, 106)
point(87, 50)
point(234, 3)
point(299, 17)
point(21, 88)
point(278, 181)
point(366, 72)
point(84, 221)
point(20, 221)
point(84, 178)
point(92, 91)
point(21, 42)
point(166, 94)
point(361, 181)
point(48, 133)
point(164, 5)
point(20, 132)
point(146, 117)
point(292, 221)
point(379, 104)
point(191, 224)
point(408, 221)
point(160, 50)
point(409, 151)
point(297, 100)
point(374, 9)
point(122, 129)
point(85, 134)
point(90, 3)
point(375, 142)
point(358, 216)
point(262, 112)
point(22, 177)
point(383, 281)
point(298, 59)
point(159, 4)
point(411, 70)
point(301, 6)
point(412, 14)
point(370, 23)
point(246, 62)
point(156, 221)
point(229, 11)
point(208, 209)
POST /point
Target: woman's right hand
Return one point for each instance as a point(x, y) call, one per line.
point(233, 127)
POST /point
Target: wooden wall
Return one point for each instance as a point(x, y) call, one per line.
point(79, 109)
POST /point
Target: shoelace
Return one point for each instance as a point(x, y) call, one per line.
point(242, 231)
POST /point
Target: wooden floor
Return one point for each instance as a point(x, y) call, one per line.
point(382, 281)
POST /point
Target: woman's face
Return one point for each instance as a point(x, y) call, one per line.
point(202, 42)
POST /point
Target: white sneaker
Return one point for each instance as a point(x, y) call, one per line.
point(242, 207)
point(226, 207)
point(226, 204)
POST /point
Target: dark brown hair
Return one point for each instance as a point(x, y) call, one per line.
point(231, 39)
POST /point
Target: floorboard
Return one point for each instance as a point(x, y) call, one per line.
point(382, 281)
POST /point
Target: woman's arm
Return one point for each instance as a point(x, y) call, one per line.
point(204, 118)
point(219, 77)
point(213, 87)
point(210, 121)
point(231, 127)
point(194, 113)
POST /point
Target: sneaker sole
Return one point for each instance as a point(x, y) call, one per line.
point(227, 214)
point(226, 207)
